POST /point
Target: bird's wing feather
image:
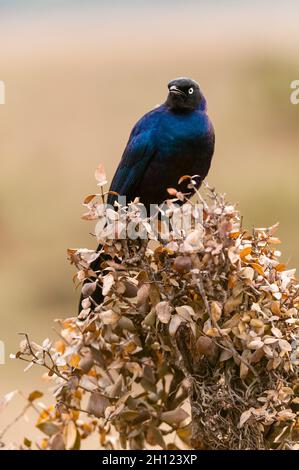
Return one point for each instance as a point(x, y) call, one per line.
point(136, 157)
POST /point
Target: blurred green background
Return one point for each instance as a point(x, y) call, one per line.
point(78, 75)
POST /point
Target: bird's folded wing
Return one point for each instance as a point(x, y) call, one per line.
point(136, 157)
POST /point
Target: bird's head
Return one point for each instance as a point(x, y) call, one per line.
point(185, 94)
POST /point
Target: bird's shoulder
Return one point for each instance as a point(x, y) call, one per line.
point(185, 127)
point(149, 121)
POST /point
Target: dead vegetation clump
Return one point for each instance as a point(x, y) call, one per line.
point(194, 344)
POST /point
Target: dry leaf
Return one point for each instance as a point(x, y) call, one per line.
point(48, 428)
point(216, 310)
point(232, 303)
point(6, 399)
point(257, 267)
point(70, 435)
point(109, 317)
point(34, 395)
point(245, 252)
point(100, 175)
point(154, 437)
point(97, 405)
point(186, 312)
point(185, 434)
point(255, 344)
point(172, 192)
point(143, 294)
point(174, 417)
point(163, 310)
point(182, 264)
point(175, 322)
point(74, 360)
point(108, 282)
point(245, 417)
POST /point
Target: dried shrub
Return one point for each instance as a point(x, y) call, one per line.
point(193, 346)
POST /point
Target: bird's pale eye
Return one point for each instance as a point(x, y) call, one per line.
point(190, 91)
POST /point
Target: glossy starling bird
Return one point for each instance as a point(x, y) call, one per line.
point(174, 139)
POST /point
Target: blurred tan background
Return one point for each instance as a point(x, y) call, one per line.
point(78, 75)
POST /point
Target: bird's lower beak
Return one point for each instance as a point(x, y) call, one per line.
point(176, 91)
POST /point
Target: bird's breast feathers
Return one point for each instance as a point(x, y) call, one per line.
point(175, 130)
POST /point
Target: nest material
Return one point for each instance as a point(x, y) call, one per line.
point(206, 321)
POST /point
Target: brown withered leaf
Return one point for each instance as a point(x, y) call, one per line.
point(7, 399)
point(185, 434)
point(232, 303)
point(186, 312)
point(88, 288)
point(27, 443)
point(244, 369)
point(182, 264)
point(109, 317)
point(74, 360)
point(86, 362)
point(154, 294)
point(245, 416)
point(89, 198)
point(257, 267)
point(184, 178)
point(150, 318)
point(154, 437)
point(143, 294)
point(108, 282)
point(70, 435)
point(97, 404)
point(100, 175)
point(172, 192)
point(175, 322)
point(225, 355)
point(245, 252)
point(48, 428)
point(174, 417)
point(205, 346)
point(126, 324)
point(216, 310)
point(233, 255)
point(115, 389)
point(129, 289)
point(34, 395)
point(57, 442)
point(163, 310)
point(257, 355)
point(247, 273)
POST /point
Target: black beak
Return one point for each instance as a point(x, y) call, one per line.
point(176, 91)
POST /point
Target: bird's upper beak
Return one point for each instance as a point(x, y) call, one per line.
point(176, 91)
